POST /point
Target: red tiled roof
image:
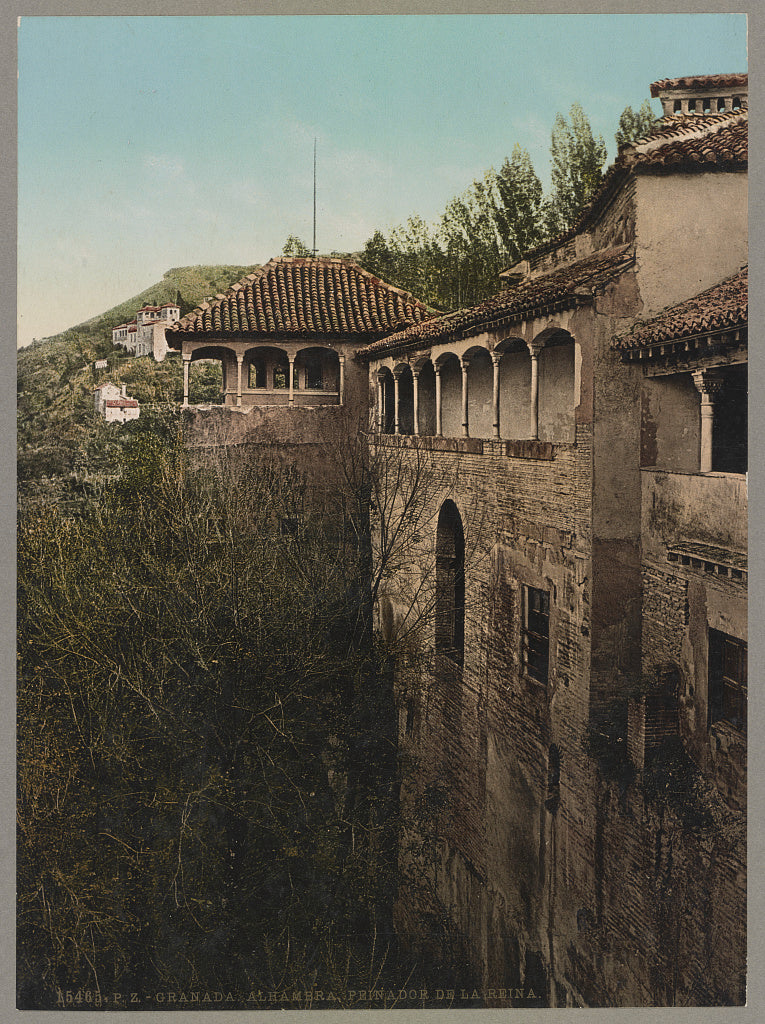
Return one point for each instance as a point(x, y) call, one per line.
point(700, 83)
point(121, 403)
point(562, 288)
point(723, 307)
point(706, 140)
point(304, 296)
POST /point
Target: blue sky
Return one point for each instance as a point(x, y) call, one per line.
point(148, 143)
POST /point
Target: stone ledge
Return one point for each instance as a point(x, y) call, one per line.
point(523, 449)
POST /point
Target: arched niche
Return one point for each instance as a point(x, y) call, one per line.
point(451, 394)
point(514, 388)
point(480, 392)
point(557, 378)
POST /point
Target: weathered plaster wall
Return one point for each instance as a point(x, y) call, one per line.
point(714, 230)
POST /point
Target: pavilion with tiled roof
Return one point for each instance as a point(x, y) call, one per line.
point(283, 333)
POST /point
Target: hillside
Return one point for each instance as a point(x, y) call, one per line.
point(61, 445)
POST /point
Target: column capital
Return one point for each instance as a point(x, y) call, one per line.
point(380, 375)
point(186, 356)
point(708, 382)
point(535, 347)
point(464, 363)
point(495, 356)
point(240, 357)
point(398, 371)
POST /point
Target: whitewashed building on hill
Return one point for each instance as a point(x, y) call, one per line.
point(114, 405)
point(145, 335)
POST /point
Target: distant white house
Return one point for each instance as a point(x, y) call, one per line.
point(114, 405)
point(145, 335)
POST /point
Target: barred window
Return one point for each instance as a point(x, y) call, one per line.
point(536, 633)
point(727, 675)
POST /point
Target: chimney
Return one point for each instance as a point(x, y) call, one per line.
point(701, 94)
point(122, 391)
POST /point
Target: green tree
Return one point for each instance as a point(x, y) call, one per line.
point(518, 208)
point(577, 160)
point(634, 126)
point(295, 246)
point(207, 735)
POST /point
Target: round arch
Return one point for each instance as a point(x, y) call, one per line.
point(557, 385)
point(402, 373)
point(451, 394)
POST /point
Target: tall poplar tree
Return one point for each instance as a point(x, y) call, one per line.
point(577, 161)
point(634, 126)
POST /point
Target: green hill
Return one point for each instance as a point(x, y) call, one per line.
point(61, 444)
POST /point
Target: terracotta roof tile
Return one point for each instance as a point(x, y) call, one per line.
point(708, 140)
point(723, 307)
point(303, 296)
point(701, 83)
point(562, 288)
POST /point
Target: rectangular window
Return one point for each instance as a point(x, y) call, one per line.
point(536, 633)
point(727, 680)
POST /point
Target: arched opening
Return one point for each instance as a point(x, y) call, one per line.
point(450, 584)
point(384, 401)
point(514, 389)
point(403, 373)
point(211, 370)
point(426, 400)
point(317, 370)
point(451, 395)
point(480, 391)
point(556, 388)
point(265, 370)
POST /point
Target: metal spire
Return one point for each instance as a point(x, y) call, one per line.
point(314, 197)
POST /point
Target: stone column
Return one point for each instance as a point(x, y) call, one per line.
point(439, 427)
point(464, 363)
point(396, 422)
point(186, 365)
point(416, 400)
point(292, 379)
point(239, 361)
point(495, 358)
point(342, 378)
point(380, 401)
point(534, 419)
point(708, 384)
